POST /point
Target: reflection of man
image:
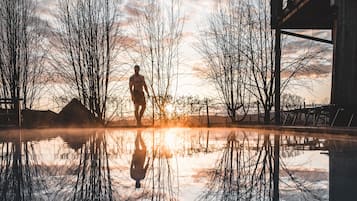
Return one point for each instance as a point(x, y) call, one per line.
point(137, 169)
point(136, 85)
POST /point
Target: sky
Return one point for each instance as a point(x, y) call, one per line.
point(313, 84)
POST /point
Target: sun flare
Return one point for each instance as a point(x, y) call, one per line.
point(170, 139)
point(170, 109)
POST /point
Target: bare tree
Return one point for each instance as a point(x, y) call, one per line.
point(21, 51)
point(221, 46)
point(291, 101)
point(158, 29)
point(260, 54)
point(86, 43)
point(238, 47)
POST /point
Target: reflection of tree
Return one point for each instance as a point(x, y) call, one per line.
point(246, 170)
point(18, 171)
point(93, 173)
point(162, 178)
point(243, 172)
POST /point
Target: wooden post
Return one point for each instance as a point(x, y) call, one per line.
point(344, 73)
point(18, 112)
point(277, 74)
point(258, 112)
point(207, 113)
point(278, 10)
point(276, 168)
point(207, 140)
point(153, 111)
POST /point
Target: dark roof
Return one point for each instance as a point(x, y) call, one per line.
point(75, 114)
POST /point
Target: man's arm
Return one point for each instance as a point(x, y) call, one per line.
point(131, 86)
point(132, 174)
point(147, 164)
point(146, 87)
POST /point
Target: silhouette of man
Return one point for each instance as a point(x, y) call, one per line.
point(137, 85)
point(137, 169)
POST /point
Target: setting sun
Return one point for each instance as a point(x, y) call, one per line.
point(170, 109)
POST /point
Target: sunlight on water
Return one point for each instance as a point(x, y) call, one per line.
point(170, 164)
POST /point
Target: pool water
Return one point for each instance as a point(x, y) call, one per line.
point(175, 164)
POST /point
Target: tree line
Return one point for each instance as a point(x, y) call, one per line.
point(83, 47)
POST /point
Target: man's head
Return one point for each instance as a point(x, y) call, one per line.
point(136, 69)
point(137, 184)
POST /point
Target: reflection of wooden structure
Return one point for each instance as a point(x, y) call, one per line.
point(338, 16)
point(343, 176)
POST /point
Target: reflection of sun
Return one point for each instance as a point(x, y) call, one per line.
point(169, 139)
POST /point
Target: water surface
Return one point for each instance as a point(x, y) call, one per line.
point(177, 164)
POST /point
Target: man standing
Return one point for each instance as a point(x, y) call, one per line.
point(137, 85)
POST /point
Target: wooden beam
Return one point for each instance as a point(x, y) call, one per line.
point(295, 10)
point(307, 37)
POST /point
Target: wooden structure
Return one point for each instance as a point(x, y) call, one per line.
point(339, 16)
point(10, 113)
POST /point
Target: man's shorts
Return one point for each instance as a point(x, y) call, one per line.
point(139, 98)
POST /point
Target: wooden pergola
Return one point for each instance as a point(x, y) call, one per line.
point(339, 16)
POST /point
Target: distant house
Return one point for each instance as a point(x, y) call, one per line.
point(38, 119)
point(75, 114)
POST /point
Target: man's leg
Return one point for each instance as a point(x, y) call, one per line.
point(137, 113)
point(137, 141)
point(142, 143)
point(142, 110)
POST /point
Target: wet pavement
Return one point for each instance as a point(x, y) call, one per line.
point(175, 164)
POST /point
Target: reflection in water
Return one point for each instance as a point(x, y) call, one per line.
point(252, 169)
point(19, 172)
point(137, 168)
point(244, 172)
point(93, 172)
point(162, 181)
point(343, 170)
point(174, 164)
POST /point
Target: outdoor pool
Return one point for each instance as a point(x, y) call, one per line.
point(176, 164)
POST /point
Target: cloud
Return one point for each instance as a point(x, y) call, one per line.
point(132, 9)
point(127, 41)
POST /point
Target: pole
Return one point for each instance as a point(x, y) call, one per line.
point(207, 113)
point(153, 111)
point(277, 74)
point(277, 98)
point(207, 141)
point(258, 112)
point(276, 168)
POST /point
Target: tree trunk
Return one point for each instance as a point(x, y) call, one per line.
point(266, 116)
